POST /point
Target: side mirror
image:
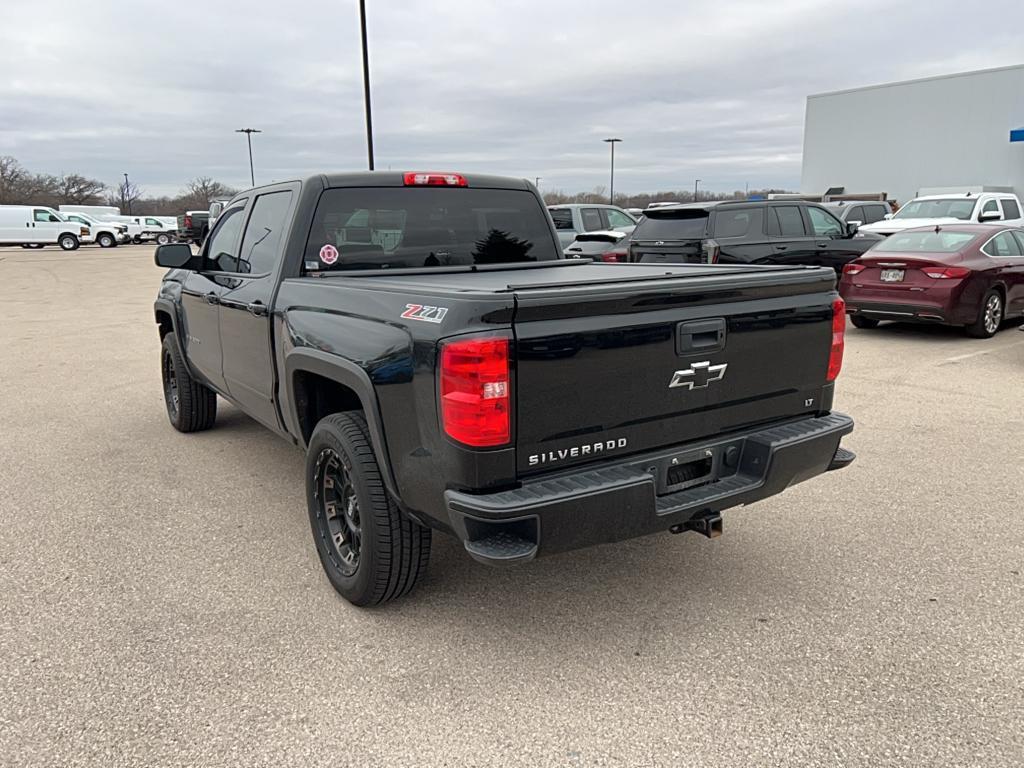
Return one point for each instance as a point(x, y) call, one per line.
point(852, 227)
point(887, 216)
point(215, 209)
point(173, 255)
point(990, 216)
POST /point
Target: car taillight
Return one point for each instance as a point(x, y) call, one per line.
point(941, 273)
point(854, 269)
point(475, 397)
point(188, 221)
point(835, 358)
point(711, 251)
point(433, 179)
point(614, 257)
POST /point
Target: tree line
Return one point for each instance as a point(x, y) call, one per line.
point(19, 186)
point(642, 200)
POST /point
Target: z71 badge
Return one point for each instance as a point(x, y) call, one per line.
point(424, 313)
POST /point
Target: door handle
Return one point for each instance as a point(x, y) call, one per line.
point(781, 247)
point(257, 308)
point(822, 245)
point(212, 298)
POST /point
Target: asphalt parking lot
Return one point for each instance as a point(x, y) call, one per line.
point(162, 603)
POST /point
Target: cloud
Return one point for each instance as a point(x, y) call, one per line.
point(708, 90)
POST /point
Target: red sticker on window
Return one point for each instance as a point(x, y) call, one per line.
point(328, 254)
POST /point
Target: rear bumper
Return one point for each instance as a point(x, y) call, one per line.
point(920, 313)
point(629, 499)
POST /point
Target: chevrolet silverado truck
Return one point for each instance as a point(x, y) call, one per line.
point(444, 370)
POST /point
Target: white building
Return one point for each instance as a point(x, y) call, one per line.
point(950, 131)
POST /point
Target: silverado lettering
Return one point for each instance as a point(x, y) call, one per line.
point(412, 426)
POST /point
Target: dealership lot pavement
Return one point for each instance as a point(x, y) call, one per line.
point(161, 602)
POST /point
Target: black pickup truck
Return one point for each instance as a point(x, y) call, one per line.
point(419, 336)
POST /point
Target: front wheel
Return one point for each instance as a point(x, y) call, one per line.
point(106, 240)
point(859, 321)
point(371, 551)
point(137, 240)
point(163, 239)
point(990, 316)
point(191, 406)
point(68, 242)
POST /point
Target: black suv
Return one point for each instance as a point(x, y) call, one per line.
point(747, 232)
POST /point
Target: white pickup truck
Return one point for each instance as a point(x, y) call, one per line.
point(970, 206)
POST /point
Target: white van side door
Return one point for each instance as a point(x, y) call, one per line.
point(46, 226)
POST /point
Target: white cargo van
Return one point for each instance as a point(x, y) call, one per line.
point(34, 226)
point(99, 211)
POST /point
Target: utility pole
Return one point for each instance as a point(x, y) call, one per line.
point(366, 84)
point(695, 183)
point(127, 196)
point(248, 135)
point(611, 185)
point(536, 181)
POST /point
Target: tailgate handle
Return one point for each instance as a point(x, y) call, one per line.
point(700, 336)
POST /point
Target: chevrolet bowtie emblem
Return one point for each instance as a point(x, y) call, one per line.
point(698, 375)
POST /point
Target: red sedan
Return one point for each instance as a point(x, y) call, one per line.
point(968, 274)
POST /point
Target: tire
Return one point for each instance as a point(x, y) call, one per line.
point(137, 240)
point(191, 406)
point(163, 239)
point(991, 314)
point(371, 551)
point(105, 240)
point(68, 243)
point(859, 321)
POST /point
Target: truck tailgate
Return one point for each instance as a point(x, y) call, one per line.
point(618, 367)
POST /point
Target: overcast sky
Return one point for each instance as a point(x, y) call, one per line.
point(709, 90)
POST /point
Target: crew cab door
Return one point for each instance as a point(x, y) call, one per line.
point(201, 295)
point(833, 246)
point(245, 318)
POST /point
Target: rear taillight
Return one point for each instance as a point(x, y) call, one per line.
point(854, 269)
point(432, 179)
point(475, 402)
point(946, 273)
point(614, 257)
point(835, 358)
point(711, 252)
point(188, 222)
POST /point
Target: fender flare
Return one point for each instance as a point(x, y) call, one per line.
point(351, 375)
point(168, 306)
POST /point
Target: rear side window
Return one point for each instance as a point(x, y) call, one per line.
point(1010, 209)
point(679, 224)
point(873, 213)
point(823, 222)
point(562, 218)
point(591, 219)
point(928, 241)
point(1003, 244)
point(261, 247)
point(790, 222)
point(737, 223)
point(618, 218)
point(414, 227)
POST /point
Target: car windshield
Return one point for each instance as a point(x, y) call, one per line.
point(412, 227)
point(928, 241)
point(952, 207)
point(668, 224)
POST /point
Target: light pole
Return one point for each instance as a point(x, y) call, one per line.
point(248, 135)
point(366, 83)
point(127, 197)
point(695, 183)
point(536, 181)
point(611, 185)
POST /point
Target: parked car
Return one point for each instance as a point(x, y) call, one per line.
point(484, 387)
point(603, 245)
point(746, 232)
point(156, 229)
point(106, 234)
point(983, 207)
point(571, 219)
point(193, 226)
point(862, 211)
point(959, 274)
point(35, 226)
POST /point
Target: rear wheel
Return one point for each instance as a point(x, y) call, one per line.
point(137, 240)
point(68, 242)
point(163, 239)
point(191, 406)
point(106, 240)
point(371, 551)
point(859, 321)
point(990, 316)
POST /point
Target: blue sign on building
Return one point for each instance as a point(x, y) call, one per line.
point(1017, 135)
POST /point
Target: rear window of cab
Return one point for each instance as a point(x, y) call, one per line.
point(415, 227)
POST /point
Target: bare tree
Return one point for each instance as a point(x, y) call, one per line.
point(200, 192)
point(124, 196)
point(77, 189)
point(12, 180)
